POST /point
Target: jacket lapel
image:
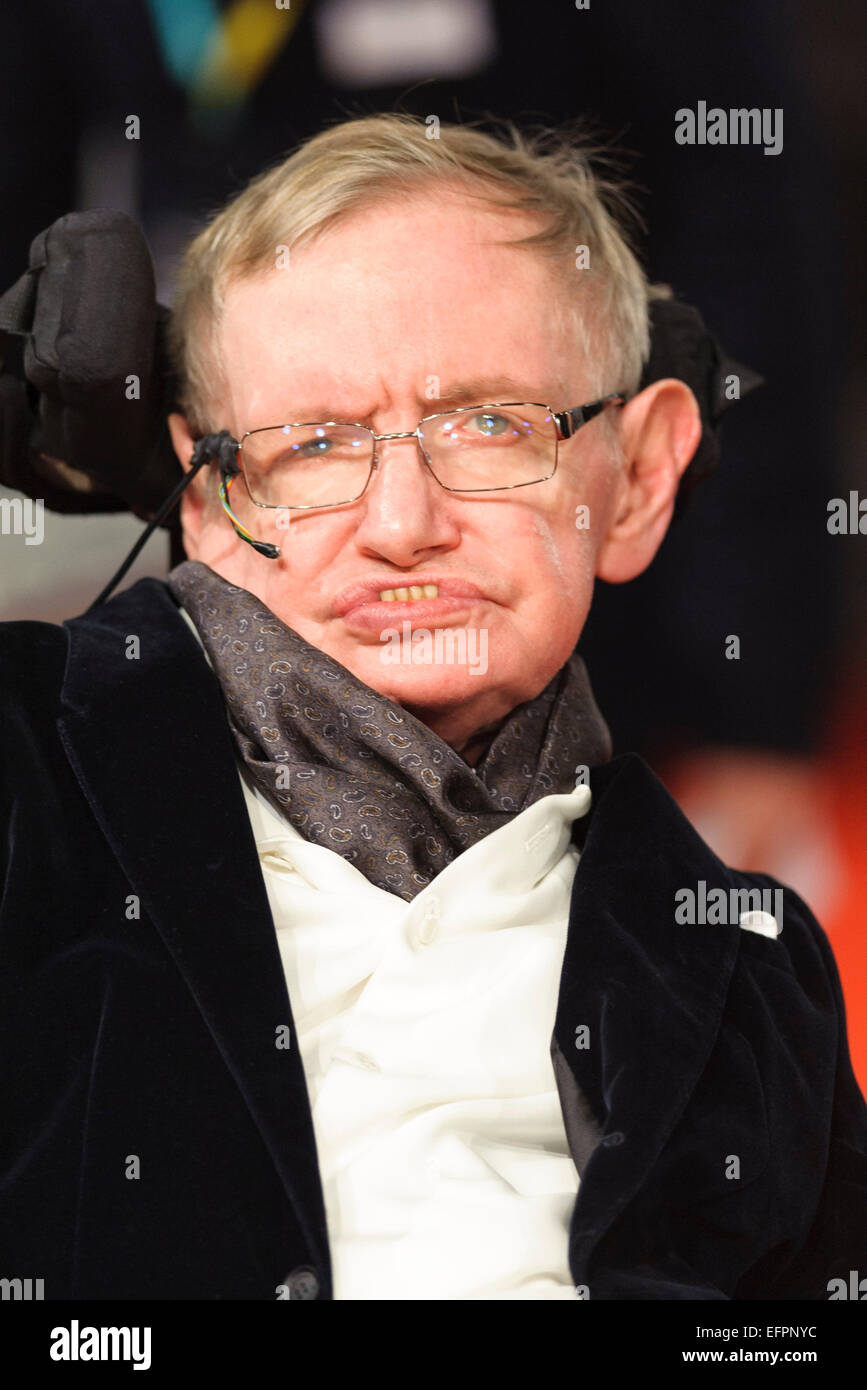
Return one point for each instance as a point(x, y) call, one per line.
point(146, 733)
point(648, 991)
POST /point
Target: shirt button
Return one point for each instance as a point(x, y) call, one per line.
point(428, 929)
point(302, 1283)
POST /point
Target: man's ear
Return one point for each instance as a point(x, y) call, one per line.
point(182, 439)
point(660, 431)
point(193, 498)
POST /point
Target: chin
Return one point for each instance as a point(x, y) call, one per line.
point(423, 686)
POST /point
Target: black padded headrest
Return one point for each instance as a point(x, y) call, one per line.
point(682, 346)
point(95, 361)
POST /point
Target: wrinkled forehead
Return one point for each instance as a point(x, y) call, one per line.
point(393, 304)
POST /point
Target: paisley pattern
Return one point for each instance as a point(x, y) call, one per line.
point(356, 772)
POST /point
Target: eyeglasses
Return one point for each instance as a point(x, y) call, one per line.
point(485, 448)
point(479, 449)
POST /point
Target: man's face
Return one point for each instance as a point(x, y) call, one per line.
point(380, 322)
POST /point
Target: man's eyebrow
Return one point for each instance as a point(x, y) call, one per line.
point(467, 391)
point(487, 391)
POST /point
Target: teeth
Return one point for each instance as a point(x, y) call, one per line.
point(411, 594)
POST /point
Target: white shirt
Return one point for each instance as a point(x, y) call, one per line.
point(424, 1029)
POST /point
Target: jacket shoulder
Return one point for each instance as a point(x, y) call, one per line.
point(636, 811)
point(35, 656)
point(32, 661)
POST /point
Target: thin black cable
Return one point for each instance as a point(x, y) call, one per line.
point(151, 526)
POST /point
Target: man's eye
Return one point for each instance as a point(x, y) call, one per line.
point(488, 424)
point(312, 448)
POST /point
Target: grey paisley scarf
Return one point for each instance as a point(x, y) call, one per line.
point(356, 772)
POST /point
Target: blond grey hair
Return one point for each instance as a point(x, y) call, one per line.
point(560, 175)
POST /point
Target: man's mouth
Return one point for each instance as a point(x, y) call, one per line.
point(411, 594)
point(432, 602)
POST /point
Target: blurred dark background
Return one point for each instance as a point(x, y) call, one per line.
point(767, 753)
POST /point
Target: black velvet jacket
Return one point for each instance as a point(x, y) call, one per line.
point(153, 1036)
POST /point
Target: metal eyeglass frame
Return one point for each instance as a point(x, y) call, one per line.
point(224, 448)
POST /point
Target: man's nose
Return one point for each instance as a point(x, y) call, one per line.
point(405, 509)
